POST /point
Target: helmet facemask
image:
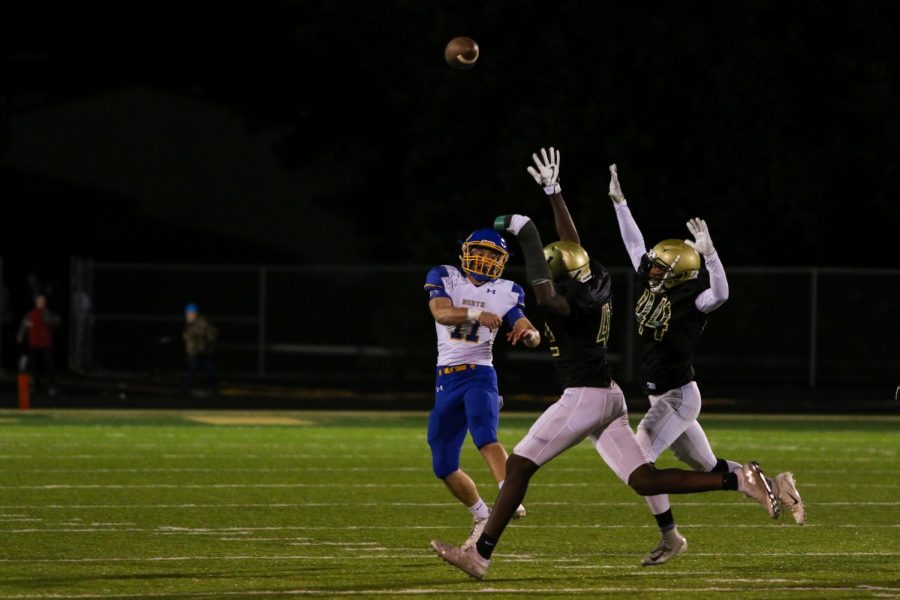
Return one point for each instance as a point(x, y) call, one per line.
point(483, 260)
point(669, 263)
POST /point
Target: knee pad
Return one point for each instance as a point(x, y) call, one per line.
point(484, 431)
point(444, 460)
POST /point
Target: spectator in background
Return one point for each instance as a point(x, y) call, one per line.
point(36, 330)
point(199, 343)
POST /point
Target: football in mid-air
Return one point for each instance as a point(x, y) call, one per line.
point(461, 53)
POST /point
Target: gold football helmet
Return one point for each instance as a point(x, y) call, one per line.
point(568, 260)
point(668, 264)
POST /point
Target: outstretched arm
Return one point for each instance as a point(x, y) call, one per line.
point(631, 234)
point(536, 269)
point(546, 174)
point(711, 299)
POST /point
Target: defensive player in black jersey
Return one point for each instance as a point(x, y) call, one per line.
point(678, 295)
point(576, 293)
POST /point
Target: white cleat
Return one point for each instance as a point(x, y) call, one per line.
point(520, 512)
point(477, 528)
point(671, 544)
point(753, 483)
point(468, 560)
point(786, 491)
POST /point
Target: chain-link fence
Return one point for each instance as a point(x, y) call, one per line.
point(370, 325)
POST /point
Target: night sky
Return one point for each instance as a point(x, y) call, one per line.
point(333, 132)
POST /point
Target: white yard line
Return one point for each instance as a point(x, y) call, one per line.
point(281, 505)
point(424, 468)
point(420, 555)
point(204, 486)
point(444, 591)
point(869, 589)
point(736, 503)
point(172, 531)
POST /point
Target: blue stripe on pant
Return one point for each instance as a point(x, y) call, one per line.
point(464, 400)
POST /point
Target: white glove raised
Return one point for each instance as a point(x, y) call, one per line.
point(615, 188)
point(547, 172)
point(702, 242)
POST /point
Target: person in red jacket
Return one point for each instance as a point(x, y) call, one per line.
point(36, 330)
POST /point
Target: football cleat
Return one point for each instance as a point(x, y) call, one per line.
point(786, 491)
point(468, 560)
point(477, 528)
point(753, 483)
point(520, 512)
point(671, 544)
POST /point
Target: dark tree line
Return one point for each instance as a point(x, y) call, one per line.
point(775, 121)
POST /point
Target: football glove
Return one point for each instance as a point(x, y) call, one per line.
point(615, 188)
point(510, 223)
point(547, 172)
point(702, 242)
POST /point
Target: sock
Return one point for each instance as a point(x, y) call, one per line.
point(721, 466)
point(485, 545)
point(666, 521)
point(729, 481)
point(480, 510)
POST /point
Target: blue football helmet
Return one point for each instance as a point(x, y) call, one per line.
point(484, 255)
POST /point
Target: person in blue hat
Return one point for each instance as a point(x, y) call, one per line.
point(199, 343)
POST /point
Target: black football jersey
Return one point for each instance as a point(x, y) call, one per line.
point(670, 326)
point(578, 341)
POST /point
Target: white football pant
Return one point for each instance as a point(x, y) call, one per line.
point(598, 413)
point(672, 423)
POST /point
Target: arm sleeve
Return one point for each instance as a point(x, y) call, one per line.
point(631, 235)
point(711, 299)
point(518, 311)
point(434, 284)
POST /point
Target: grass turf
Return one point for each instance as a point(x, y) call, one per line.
point(119, 504)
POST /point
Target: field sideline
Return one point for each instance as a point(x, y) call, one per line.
point(171, 504)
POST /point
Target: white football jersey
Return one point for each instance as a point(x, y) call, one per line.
point(472, 342)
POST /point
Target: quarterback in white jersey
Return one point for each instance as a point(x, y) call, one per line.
point(500, 297)
point(468, 305)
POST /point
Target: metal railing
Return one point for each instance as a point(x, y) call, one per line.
point(346, 324)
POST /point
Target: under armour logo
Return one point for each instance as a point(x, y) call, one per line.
point(491, 291)
point(439, 388)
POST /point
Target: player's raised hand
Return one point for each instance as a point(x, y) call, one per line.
point(615, 188)
point(489, 320)
point(547, 172)
point(702, 242)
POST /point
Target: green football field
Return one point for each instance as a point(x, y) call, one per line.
point(128, 504)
